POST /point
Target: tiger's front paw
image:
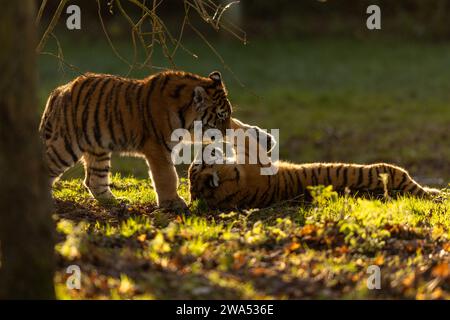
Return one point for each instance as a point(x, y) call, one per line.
point(177, 205)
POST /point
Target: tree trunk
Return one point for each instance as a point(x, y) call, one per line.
point(26, 228)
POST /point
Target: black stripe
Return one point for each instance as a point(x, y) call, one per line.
point(128, 100)
point(275, 189)
point(101, 154)
point(292, 186)
point(319, 171)
point(109, 104)
point(280, 190)
point(100, 175)
point(97, 134)
point(169, 122)
point(125, 139)
point(212, 86)
point(181, 119)
point(85, 113)
point(141, 106)
point(403, 182)
point(164, 82)
point(227, 198)
point(370, 178)
point(217, 95)
point(251, 201)
point(192, 76)
point(338, 169)
point(119, 116)
point(149, 108)
point(377, 172)
point(329, 176)
point(360, 178)
point(266, 192)
point(208, 116)
point(313, 177)
point(139, 98)
point(107, 185)
point(390, 181)
point(69, 149)
point(147, 104)
point(287, 185)
point(103, 159)
point(113, 113)
point(52, 173)
point(305, 176)
point(238, 175)
point(66, 107)
point(54, 162)
point(77, 99)
point(300, 187)
point(182, 112)
point(70, 129)
point(415, 189)
point(61, 160)
point(344, 172)
point(100, 170)
point(177, 92)
point(392, 172)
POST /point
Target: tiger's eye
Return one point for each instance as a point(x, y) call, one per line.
point(222, 115)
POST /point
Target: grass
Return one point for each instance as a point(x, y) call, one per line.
point(322, 250)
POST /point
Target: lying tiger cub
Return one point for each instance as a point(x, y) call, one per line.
point(232, 186)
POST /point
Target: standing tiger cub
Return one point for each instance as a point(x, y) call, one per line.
point(97, 114)
point(231, 186)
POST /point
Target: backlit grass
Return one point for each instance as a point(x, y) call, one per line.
point(318, 250)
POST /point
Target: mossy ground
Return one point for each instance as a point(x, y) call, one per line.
point(319, 250)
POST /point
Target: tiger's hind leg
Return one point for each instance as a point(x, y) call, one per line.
point(59, 156)
point(97, 168)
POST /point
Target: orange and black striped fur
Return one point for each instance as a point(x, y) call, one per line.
point(232, 186)
point(97, 114)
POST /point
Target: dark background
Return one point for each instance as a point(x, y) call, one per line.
point(336, 90)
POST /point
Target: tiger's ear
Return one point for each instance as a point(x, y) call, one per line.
point(213, 180)
point(199, 98)
point(216, 76)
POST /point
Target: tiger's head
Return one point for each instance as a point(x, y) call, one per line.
point(223, 185)
point(216, 184)
point(213, 110)
point(211, 104)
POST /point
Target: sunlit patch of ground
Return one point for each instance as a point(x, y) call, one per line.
point(320, 250)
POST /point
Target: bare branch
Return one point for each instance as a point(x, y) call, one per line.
point(159, 34)
point(52, 25)
point(40, 12)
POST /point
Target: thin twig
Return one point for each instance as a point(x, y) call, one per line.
point(51, 26)
point(40, 12)
point(111, 44)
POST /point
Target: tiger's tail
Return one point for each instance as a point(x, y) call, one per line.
point(417, 190)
